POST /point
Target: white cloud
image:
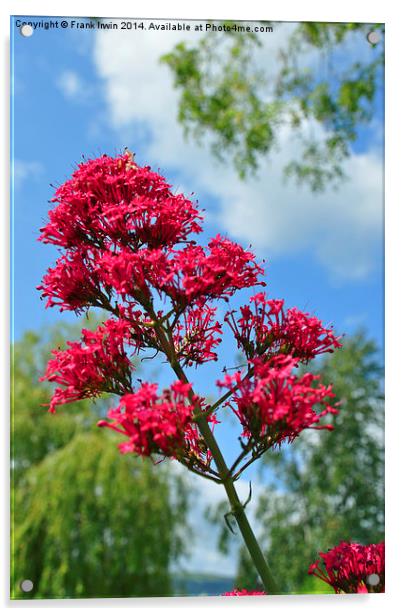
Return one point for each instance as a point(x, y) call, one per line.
point(25, 170)
point(341, 228)
point(70, 84)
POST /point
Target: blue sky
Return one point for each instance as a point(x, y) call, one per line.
point(85, 93)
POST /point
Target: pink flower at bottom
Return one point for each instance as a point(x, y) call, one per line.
point(352, 568)
point(242, 593)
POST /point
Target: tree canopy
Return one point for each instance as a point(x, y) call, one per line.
point(238, 101)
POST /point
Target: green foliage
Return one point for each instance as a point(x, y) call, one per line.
point(238, 106)
point(329, 484)
point(35, 432)
point(86, 520)
point(225, 101)
point(92, 523)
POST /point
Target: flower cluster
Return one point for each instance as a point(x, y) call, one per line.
point(264, 327)
point(89, 278)
point(195, 339)
point(159, 424)
point(125, 248)
point(120, 227)
point(141, 326)
point(185, 276)
point(352, 568)
point(113, 200)
point(73, 283)
point(133, 274)
point(125, 242)
point(273, 404)
point(242, 593)
point(98, 363)
point(196, 275)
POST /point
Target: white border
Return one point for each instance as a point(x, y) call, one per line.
point(338, 10)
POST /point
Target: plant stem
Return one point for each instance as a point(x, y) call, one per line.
point(237, 507)
point(229, 393)
point(238, 511)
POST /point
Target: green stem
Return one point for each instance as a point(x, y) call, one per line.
point(237, 507)
point(238, 511)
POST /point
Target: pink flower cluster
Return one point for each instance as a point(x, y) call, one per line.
point(133, 274)
point(352, 568)
point(73, 283)
point(196, 275)
point(184, 276)
point(273, 404)
point(157, 424)
point(124, 237)
point(264, 327)
point(96, 364)
point(242, 593)
point(119, 225)
point(195, 339)
point(113, 201)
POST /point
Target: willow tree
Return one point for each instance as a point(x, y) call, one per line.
point(85, 522)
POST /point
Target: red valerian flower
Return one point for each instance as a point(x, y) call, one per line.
point(159, 424)
point(195, 339)
point(96, 364)
point(141, 334)
point(73, 283)
point(242, 593)
point(352, 568)
point(116, 199)
point(195, 275)
point(265, 327)
point(274, 405)
point(134, 273)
